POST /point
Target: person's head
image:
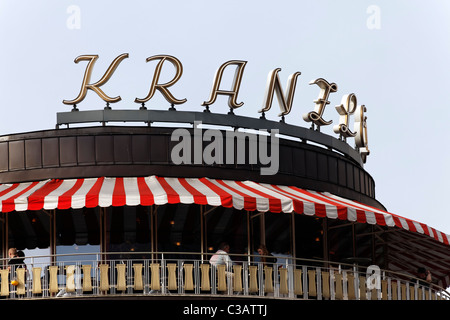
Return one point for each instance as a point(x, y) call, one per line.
point(421, 272)
point(12, 252)
point(262, 250)
point(224, 247)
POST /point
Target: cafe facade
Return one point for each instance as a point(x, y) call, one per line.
point(139, 209)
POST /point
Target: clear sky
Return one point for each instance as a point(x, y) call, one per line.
point(394, 55)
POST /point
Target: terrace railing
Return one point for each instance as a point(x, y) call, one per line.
point(89, 275)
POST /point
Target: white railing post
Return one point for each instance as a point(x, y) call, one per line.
point(319, 283)
point(229, 276)
point(290, 267)
point(357, 291)
point(146, 276)
point(213, 279)
point(246, 276)
point(389, 288)
point(332, 282)
point(344, 285)
point(77, 275)
point(305, 282)
point(261, 279)
point(197, 277)
point(163, 276)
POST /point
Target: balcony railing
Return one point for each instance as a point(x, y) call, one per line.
point(89, 275)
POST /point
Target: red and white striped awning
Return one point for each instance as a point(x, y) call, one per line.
point(154, 190)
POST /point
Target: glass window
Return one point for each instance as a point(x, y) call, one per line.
point(308, 237)
point(226, 225)
point(78, 226)
point(28, 230)
point(340, 240)
point(178, 229)
point(364, 240)
point(278, 232)
point(77, 235)
point(128, 231)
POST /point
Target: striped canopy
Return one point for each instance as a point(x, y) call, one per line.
point(409, 244)
point(154, 190)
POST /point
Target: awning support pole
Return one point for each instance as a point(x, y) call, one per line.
point(326, 256)
point(154, 229)
point(293, 240)
point(103, 233)
point(353, 240)
point(52, 233)
point(5, 237)
point(248, 237)
point(202, 232)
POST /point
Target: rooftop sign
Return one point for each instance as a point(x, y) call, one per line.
point(346, 109)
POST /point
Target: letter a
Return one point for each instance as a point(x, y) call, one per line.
point(96, 86)
point(236, 84)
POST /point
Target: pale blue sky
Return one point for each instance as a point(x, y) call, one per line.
point(399, 70)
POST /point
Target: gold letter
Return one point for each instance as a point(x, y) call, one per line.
point(163, 87)
point(236, 83)
point(345, 109)
point(96, 86)
point(321, 102)
point(273, 83)
point(360, 127)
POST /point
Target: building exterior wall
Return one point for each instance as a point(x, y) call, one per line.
point(143, 151)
